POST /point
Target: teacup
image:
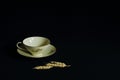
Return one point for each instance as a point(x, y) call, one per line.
point(34, 44)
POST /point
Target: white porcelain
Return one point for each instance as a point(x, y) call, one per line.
point(34, 44)
point(36, 41)
point(45, 52)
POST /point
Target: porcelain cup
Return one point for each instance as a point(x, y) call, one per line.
point(34, 45)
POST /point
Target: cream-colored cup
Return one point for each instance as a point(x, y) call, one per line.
point(34, 44)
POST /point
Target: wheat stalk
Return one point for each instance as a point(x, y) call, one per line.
point(51, 65)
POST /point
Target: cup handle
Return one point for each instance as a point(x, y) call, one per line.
point(19, 46)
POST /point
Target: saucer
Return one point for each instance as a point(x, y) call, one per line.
point(27, 54)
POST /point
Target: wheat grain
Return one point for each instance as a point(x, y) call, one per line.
point(42, 67)
point(51, 65)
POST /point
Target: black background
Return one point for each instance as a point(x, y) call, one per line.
point(88, 39)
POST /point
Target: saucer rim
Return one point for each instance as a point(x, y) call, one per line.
point(30, 56)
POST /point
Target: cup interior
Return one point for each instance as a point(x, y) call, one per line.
point(36, 41)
